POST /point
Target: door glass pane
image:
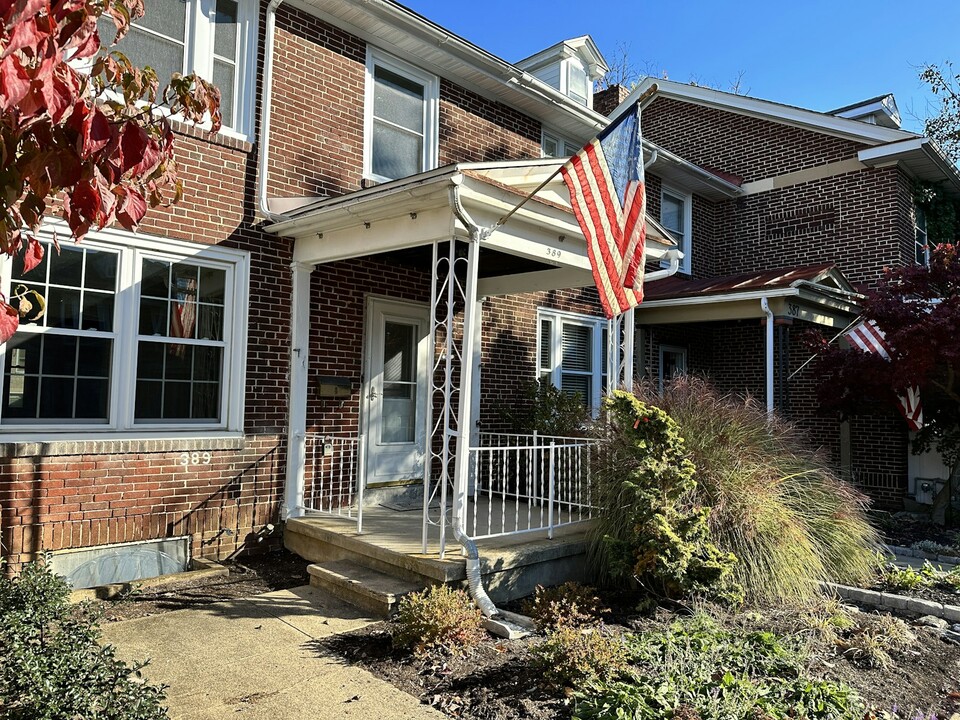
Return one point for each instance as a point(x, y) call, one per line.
point(399, 411)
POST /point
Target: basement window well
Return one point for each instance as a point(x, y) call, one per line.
point(126, 562)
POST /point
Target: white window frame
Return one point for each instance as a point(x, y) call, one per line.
point(431, 114)
point(558, 319)
point(199, 57)
point(685, 241)
point(569, 66)
point(681, 351)
point(565, 146)
point(920, 228)
point(122, 383)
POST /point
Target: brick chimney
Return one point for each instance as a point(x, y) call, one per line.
point(606, 101)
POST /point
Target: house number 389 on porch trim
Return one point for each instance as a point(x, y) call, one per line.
point(195, 458)
point(553, 253)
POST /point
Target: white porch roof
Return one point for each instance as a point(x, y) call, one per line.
point(418, 210)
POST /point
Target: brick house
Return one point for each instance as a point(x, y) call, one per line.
point(330, 303)
point(821, 199)
point(318, 286)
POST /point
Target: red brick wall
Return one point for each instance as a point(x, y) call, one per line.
point(71, 495)
point(750, 148)
point(510, 345)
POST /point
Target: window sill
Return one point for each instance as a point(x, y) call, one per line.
point(225, 138)
point(50, 446)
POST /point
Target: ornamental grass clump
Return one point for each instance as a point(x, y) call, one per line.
point(775, 503)
point(649, 534)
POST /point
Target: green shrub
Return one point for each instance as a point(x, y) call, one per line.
point(900, 579)
point(438, 618)
point(647, 530)
point(571, 656)
point(696, 669)
point(52, 666)
point(775, 504)
point(570, 604)
point(541, 407)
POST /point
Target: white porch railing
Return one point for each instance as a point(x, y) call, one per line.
point(527, 483)
point(332, 476)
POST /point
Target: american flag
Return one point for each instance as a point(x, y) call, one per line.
point(605, 180)
point(869, 337)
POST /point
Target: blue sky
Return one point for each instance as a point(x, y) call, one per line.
point(815, 54)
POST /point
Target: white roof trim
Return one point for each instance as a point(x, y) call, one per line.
point(902, 152)
point(767, 110)
point(502, 81)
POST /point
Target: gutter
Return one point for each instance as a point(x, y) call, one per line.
point(266, 96)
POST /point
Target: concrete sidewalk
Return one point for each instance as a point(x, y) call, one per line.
point(258, 658)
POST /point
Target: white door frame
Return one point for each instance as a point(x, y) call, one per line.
point(404, 310)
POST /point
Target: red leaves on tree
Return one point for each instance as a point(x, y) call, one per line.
point(58, 137)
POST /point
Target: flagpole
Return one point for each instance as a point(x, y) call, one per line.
point(813, 357)
point(643, 96)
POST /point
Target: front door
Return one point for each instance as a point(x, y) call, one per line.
point(395, 388)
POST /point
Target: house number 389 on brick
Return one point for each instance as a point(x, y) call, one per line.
point(188, 459)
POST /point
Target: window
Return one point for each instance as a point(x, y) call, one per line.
point(122, 336)
point(676, 216)
point(210, 37)
point(673, 362)
point(578, 85)
point(553, 145)
point(401, 119)
point(572, 354)
point(921, 246)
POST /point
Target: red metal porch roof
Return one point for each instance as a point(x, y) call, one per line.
point(678, 287)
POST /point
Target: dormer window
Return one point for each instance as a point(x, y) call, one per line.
point(571, 67)
point(579, 86)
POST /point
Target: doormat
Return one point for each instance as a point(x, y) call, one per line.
point(401, 505)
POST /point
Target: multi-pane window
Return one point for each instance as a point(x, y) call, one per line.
point(553, 145)
point(571, 354)
point(125, 338)
point(921, 242)
point(675, 217)
point(58, 365)
point(210, 37)
point(180, 345)
point(401, 119)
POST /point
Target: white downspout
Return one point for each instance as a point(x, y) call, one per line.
point(266, 98)
point(769, 354)
point(672, 256)
point(461, 465)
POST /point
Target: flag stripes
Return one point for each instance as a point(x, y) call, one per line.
point(610, 208)
point(868, 336)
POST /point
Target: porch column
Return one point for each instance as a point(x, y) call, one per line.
point(628, 360)
point(298, 391)
point(471, 318)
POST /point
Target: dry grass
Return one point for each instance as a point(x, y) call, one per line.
point(789, 519)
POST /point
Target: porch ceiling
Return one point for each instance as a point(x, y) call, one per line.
point(541, 247)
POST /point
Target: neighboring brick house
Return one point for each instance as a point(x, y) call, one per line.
point(818, 194)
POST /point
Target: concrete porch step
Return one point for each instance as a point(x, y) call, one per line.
point(357, 585)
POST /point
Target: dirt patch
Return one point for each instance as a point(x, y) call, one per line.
point(498, 681)
point(248, 576)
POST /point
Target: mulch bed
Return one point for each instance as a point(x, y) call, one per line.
point(251, 575)
point(499, 682)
